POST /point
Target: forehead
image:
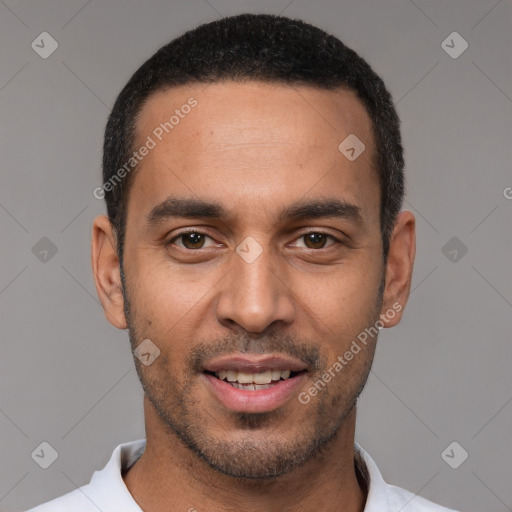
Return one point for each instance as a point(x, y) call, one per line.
point(255, 112)
point(248, 140)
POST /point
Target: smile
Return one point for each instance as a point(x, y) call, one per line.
point(254, 381)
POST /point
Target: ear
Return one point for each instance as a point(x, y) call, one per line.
point(402, 249)
point(106, 271)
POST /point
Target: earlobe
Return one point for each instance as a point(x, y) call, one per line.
point(399, 266)
point(106, 271)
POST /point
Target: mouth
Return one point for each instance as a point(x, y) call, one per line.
point(254, 382)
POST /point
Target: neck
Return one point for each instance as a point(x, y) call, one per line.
point(169, 476)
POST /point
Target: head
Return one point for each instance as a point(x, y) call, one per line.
point(243, 229)
point(255, 48)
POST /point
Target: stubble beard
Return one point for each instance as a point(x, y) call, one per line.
point(254, 456)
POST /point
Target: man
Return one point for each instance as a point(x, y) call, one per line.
point(254, 246)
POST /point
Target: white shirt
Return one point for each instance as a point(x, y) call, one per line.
point(107, 491)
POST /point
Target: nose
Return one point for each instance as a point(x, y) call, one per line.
point(254, 295)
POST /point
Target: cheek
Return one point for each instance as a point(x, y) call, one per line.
point(339, 309)
point(169, 309)
point(344, 299)
point(168, 293)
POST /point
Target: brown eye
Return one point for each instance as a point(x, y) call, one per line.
point(315, 240)
point(192, 240)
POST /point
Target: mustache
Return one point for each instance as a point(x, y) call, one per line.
point(305, 351)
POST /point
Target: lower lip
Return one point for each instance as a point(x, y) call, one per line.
point(262, 400)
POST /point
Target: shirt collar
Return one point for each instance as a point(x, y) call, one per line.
point(376, 499)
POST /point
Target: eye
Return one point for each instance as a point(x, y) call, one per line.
point(316, 240)
point(192, 240)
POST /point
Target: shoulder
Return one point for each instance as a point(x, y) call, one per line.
point(76, 501)
point(106, 491)
point(401, 499)
point(383, 497)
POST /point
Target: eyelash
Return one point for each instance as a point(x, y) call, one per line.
point(209, 234)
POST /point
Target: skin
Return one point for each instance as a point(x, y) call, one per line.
point(254, 149)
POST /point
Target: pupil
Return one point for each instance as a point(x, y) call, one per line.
point(193, 240)
point(315, 240)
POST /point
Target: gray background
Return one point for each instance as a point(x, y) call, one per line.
point(443, 375)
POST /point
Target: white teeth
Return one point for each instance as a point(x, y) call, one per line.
point(251, 387)
point(232, 375)
point(245, 378)
point(262, 378)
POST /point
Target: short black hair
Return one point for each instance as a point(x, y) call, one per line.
point(262, 48)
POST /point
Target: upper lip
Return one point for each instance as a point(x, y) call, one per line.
point(254, 363)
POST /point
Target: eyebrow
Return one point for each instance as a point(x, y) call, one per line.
point(199, 209)
point(180, 207)
point(323, 208)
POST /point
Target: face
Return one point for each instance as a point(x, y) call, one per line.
point(253, 260)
